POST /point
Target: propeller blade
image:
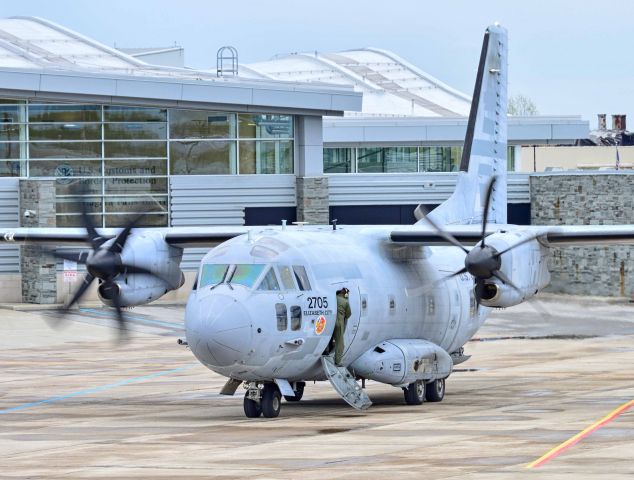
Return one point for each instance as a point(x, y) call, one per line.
point(477, 289)
point(506, 280)
point(487, 203)
point(526, 240)
point(539, 307)
point(446, 235)
point(73, 257)
point(116, 301)
point(119, 243)
point(130, 269)
point(426, 288)
point(88, 279)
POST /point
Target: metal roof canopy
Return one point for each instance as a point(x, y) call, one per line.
point(45, 61)
point(426, 131)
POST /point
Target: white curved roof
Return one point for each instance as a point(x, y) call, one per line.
point(391, 86)
point(40, 58)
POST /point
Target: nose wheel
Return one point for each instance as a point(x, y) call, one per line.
point(266, 401)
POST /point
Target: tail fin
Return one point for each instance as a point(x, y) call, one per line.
point(485, 145)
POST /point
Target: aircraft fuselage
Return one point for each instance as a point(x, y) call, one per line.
point(253, 331)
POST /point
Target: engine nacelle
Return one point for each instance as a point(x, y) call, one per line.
point(146, 249)
point(400, 362)
point(495, 294)
point(525, 266)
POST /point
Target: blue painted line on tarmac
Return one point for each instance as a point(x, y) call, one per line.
point(132, 317)
point(89, 391)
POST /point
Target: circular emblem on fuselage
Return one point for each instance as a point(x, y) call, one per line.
point(320, 325)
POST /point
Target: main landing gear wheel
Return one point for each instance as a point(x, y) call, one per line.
point(252, 409)
point(435, 390)
point(414, 393)
point(271, 400)
point(299, 393)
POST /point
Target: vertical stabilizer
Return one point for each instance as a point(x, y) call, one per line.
point(485, 145)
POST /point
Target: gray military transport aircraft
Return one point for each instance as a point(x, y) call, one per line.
point(262, 310)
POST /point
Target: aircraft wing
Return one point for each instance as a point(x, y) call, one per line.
point(177, 236)
point(556, 235)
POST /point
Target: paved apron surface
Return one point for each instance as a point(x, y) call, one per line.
point(74, 406)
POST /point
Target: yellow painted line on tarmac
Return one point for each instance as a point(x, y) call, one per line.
point(580, 436)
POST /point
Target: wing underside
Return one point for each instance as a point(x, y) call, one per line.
point(560, 236)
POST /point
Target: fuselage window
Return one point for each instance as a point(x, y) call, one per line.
point(246, 274)
point(296, 317)
point(302, 278)
point(282, 317)
point(269, 282)
point(287, 278)
point(211, 274)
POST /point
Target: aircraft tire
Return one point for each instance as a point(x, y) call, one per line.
point(414, 393)
point(271, 400)
point(299, 393)
point(435, 390)
point(252, 409)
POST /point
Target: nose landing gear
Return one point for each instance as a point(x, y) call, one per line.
point(262, 399)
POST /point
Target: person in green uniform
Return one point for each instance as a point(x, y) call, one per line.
point(343, 314)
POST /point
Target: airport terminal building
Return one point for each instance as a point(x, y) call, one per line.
point(362, 136)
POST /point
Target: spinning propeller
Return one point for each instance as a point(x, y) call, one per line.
point(482, 261)
point(105, 264)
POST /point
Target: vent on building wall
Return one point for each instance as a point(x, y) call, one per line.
point(227, 61)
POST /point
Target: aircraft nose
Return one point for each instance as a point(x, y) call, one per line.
point(224, 331)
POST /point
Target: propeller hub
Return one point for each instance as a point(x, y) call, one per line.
point(104, 264)
point(482, 261)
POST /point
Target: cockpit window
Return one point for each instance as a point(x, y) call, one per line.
point(302, 278)
point(296, 317)
point(269, 282)
point(282, 316)
point(246, 275)
point(287, 278)
point(212, 274)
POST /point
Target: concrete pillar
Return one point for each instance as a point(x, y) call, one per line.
point(38, 269)
point(311, 185)
point(587, 199)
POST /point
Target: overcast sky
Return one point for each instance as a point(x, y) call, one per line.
point(570, 57)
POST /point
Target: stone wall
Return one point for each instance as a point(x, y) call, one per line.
point(312, 200)
point(39, 282)
point(587, 199)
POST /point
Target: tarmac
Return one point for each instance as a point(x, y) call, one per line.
point(73, 404)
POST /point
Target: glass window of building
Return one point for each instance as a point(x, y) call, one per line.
point(266, 157)
point(119, 157)
point(119, 113)
point(338, 160)
point(63, 113)
point(201, 124)
point(13, 148)
point(387, 159)
point(265, 126)
point(202, 157)
point(440, 159)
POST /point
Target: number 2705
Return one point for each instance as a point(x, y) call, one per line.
point(317, 302)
